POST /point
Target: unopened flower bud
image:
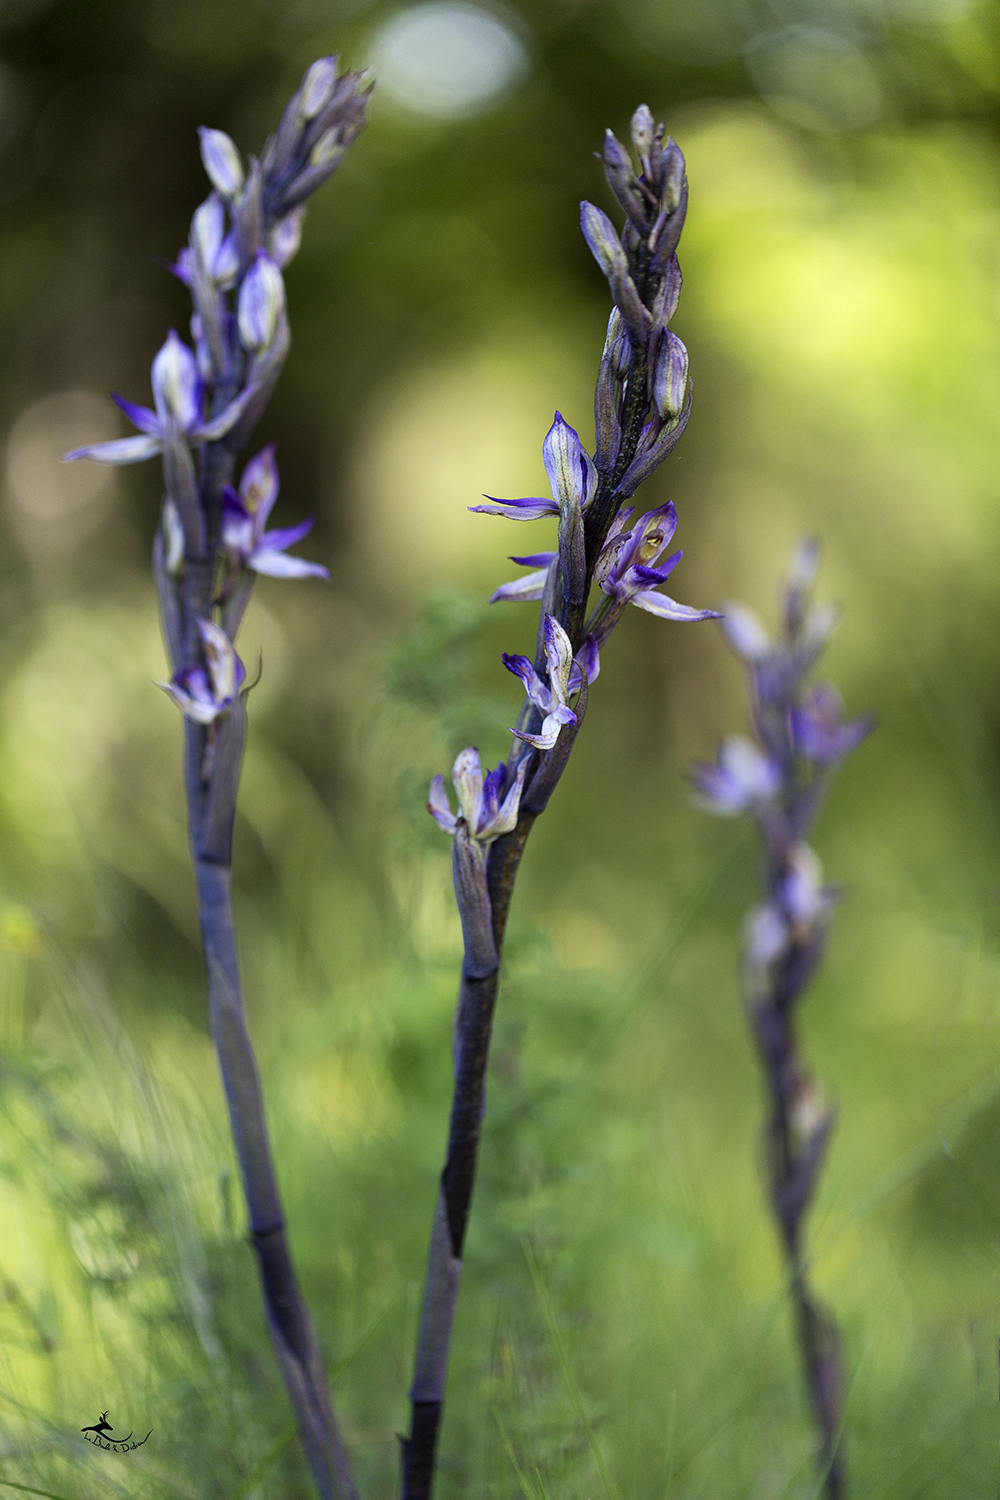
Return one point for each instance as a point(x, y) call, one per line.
point(671, 174)
point(643, 134)
point(226, 266)
point(317, 86)
point(221, 161)
point(286, 236)
point(614, 154)
point(805, 564)
point(620, 173)
point(802, 892)
point(208, 225)
point(601, 236)
point(671, 378)
point(261, 302)
point(329, 147)
point(176, 386)
point(809, 1113)
point(173, 538)
point(745, 633)
point(766, 936)
point(599, 232)
point(821, 622)
point(202, 353)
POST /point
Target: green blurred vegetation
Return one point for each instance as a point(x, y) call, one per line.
point(622, 1307)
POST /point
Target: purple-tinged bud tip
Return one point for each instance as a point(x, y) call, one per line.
point(261, 302)
point(671, 378)
point(643, 133)
point(745, 633)
point(317, 86)
point(286, 237)
point(176, 387)
point(208, 226)
point(221, 161)
point(173, 537)
point(671, 174)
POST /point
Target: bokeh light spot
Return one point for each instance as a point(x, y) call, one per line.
point(447, 60)
point(815, 78)
point(40, 484)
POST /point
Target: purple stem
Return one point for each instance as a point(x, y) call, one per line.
point(793, 1170)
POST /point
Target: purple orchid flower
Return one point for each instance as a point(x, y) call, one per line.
point(177, 392)
point(818, 727)
point(244, 515)
point(551, 699)
point(741, 777)
point(205, 695)
point(478, 798)
point(572, 476)
point(626, 569)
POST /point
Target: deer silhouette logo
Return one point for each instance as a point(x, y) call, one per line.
point(104, 1435)
point(104, 1429)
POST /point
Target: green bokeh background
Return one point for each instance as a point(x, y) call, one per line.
point(622, 1330)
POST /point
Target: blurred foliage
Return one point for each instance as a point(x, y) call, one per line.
point(622, 1304)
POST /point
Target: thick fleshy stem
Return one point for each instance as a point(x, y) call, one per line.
point(637, 426)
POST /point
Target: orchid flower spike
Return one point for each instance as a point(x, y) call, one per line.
point(485, 816)
point(177, 393)
point(571, 473)
point(244, 515)
point(205, 695)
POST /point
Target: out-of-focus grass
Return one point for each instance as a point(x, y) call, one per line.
point(622, 1328)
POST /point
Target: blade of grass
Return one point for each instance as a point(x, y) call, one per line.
point(338, 1369)
point(270, 1458)
point(29, 1490)
point(527, 1488)
point(574, 1390)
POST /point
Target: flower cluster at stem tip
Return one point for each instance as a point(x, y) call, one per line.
point(641, 407)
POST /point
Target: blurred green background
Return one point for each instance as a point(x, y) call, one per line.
point(622, 1331)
